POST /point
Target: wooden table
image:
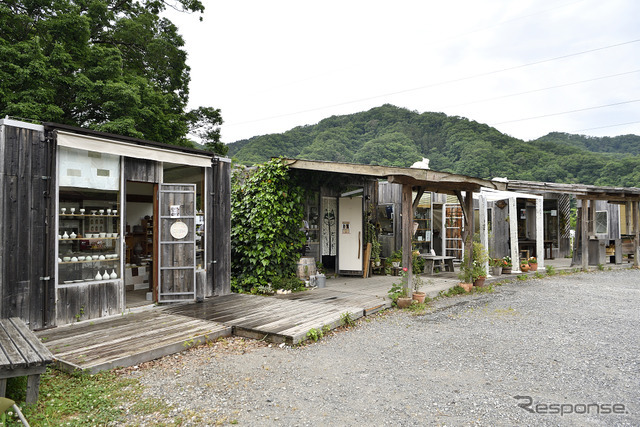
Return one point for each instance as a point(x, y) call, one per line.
point(442, 262)
point(21, 354)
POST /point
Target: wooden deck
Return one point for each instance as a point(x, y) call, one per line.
point(145, 335)
point(126, 340)
point(273, 319)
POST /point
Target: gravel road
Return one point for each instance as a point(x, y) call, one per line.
point(565, 342)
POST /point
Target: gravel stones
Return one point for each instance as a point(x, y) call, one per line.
point(565, 340)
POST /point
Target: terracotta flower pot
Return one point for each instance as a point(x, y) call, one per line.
point(466, 286)
point(533, 266)
point(419, 296)
point(404, 302)
point(524, 268)
point(479, 282)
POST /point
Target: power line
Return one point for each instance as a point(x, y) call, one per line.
point(608, 126)
point(461, 79)
point(542, 89)
point(565, 112)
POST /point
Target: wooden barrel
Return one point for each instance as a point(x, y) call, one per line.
point(306, 267)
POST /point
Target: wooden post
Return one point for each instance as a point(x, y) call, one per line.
point(513, 235)
point(467, 235)
point(539, 234)
point(636, 231)
point(484, 227)
point(407, 234)
point(584, 228)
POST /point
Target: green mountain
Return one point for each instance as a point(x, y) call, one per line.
point(393, 136)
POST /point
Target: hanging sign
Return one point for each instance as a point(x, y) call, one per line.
point(174, 211)
point(179, 230)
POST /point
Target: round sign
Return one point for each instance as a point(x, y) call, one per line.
point(179, 230)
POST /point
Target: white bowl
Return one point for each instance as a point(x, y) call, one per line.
point(74, 259)
point(101, 211)
point(94, 256)
point(66, 259)
point(81, 258)
point(89, 235)
point(114, 212)
point(103, 234)
point(101, 257)
point(81, 211)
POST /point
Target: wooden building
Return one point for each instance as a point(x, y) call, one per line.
point(608, 219)
point(351, 192)
point(93, 223)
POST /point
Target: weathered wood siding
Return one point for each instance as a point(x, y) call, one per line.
point(27, 248)
point(218, 229)
point(391, 193)
point(141, 170)
point(89, 301)
point(500, 230)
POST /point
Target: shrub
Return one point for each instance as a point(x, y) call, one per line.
point(266, 213)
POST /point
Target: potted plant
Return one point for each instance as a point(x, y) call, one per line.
point(417, 294)
point(396, 258)
point(506, 268)
point(375, 250)
point(533, 263)
point(478, 270)
point(524, 266)
point(398, 293)
point(496, 266)
point(465, 276)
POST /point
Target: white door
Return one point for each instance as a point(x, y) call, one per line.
point(350, 235)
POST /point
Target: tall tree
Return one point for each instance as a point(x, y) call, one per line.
point(109, 65)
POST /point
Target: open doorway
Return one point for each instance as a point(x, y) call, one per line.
point(139, 243)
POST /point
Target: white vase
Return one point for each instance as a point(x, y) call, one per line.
point(113, 275)
point(73, 235)
point(105, 276)
point(98, 276)
point(65, 235)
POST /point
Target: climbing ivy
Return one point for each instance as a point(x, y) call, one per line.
point(267, 208)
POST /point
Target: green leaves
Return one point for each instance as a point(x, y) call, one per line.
point(266, 218)
point(115, 66)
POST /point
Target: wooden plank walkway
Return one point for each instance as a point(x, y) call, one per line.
point(145, 335)
point(370, 303)
point(273, 319)
point(126, 340)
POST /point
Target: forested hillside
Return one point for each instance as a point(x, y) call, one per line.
point(389, 135)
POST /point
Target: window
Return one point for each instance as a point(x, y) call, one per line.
point(602, 222)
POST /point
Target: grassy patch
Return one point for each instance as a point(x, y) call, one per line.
point(81, 399)
point(456, 290)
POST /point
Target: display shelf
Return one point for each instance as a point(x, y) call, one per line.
point(89, 261)
point(91, 223)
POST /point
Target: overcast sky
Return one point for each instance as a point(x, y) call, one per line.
point(525, 67)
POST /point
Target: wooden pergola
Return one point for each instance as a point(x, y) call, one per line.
point(420, 181)
point(589, 194)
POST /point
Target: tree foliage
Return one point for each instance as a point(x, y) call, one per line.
point(109, 65)
point(266, 218)
point(389, 135)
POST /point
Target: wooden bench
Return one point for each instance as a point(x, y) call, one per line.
point(21, 354)
point(441, 262)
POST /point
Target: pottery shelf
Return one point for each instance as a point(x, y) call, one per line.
point(88, 261)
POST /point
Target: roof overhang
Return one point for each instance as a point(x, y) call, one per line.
point(430, 180)
point(581, 191)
